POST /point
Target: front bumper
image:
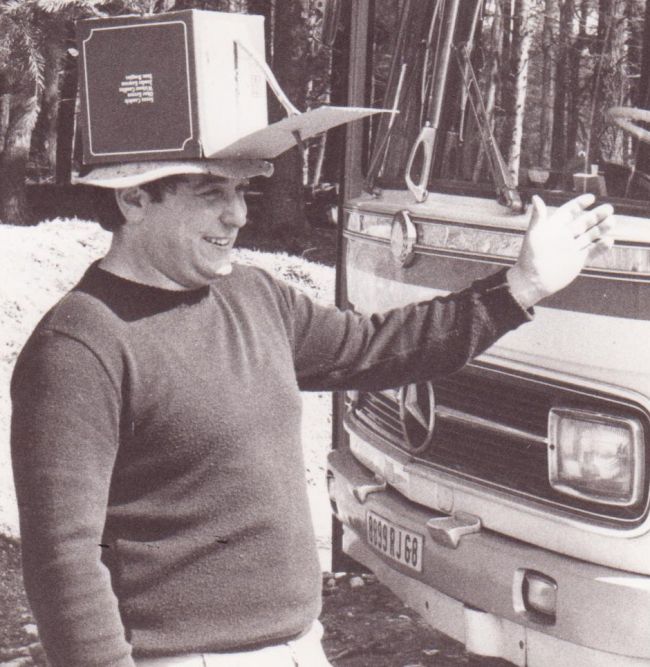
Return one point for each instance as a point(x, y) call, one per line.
point(473, 592)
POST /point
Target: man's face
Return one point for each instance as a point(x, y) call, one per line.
point(187, 238)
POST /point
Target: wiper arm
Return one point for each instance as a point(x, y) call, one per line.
point(444, 19)
point(507, 192)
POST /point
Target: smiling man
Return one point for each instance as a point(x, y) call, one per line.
point(156, 422)
point(181, 238)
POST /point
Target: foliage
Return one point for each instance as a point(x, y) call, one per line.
point(34, 37)
point(27, 25)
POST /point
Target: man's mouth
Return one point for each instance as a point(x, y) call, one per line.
point(218, 241)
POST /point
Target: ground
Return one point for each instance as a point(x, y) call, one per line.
point(367, 626)
point(19, 646)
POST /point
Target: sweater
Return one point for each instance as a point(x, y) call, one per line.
point(157, 455)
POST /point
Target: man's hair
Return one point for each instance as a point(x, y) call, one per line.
point(108, 213)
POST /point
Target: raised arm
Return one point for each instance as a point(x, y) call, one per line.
point(336, 350)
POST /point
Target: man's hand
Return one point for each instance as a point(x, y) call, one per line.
point(557, 246)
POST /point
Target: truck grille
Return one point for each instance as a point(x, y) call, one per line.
point(512, 458)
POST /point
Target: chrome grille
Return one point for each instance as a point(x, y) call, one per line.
point(512, 454)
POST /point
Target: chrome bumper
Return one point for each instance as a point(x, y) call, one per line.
point(471, 588)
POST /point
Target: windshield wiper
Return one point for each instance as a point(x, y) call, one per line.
point(443, 21)
point(507, 192)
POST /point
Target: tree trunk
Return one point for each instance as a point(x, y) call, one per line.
point(521, 42)
point(549, 50)
point(573, 91)
point(5, 104)
point(559, 147)
point(643, 95)
point(603, 57)
point(13, 161)
point(44, 143)
point(493, 69)
point(315, 177)
point(284, 190)
point(507, 10)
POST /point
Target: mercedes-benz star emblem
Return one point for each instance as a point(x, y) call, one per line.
point(417, 411)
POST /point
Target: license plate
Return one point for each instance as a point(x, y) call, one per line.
point(399, 544)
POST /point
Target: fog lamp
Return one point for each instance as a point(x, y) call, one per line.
point(596, 457)
point(540, 594)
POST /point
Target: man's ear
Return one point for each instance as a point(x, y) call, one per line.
point(132, 202)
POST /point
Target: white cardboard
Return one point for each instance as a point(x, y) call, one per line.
point(231, 90)
point(278, 137)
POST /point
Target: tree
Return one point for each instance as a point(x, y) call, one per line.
point(522, 26)
point(643, 94)
point(32, 34)
point(288, 50)
point(21, 41)
point(549, 41)
point(491, 79)
point(44, 138)
point(562, 74)
point(575, 89)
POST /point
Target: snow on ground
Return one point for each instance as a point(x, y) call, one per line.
point(41, 263)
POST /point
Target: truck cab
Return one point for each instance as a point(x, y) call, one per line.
point(509, 502)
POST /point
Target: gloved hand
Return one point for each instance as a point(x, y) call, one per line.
point(557, 246)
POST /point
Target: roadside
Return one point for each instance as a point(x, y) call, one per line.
point(367, 626)
point(19, 645)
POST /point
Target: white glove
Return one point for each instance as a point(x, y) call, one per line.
point(557, 246)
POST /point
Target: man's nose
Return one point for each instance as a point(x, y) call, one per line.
point(234, 213)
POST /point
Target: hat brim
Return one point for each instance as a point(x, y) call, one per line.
point(275, 139)
point(131, 174)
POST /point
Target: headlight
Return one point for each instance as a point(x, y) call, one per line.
point(596, 457)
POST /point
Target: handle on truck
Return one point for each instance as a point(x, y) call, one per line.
point(425, 142)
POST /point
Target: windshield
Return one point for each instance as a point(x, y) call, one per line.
point(513, 95)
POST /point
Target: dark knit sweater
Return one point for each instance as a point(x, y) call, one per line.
point(157, 455)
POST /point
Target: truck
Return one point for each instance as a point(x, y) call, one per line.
point(509, 502)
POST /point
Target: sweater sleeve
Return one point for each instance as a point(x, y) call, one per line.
point(65, 430)
point(345, 350)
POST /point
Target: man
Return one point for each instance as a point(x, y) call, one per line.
point(156, 422)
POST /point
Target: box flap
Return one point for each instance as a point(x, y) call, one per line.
point(270, 141)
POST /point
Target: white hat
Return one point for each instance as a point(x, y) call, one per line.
point(207, 114)
point(130, 174)
point(241, 159)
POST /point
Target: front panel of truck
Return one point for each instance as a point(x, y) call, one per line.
point(507, 502)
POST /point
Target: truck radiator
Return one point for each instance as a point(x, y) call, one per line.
point(491, 427)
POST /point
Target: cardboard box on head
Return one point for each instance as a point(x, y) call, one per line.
point(185, 85)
